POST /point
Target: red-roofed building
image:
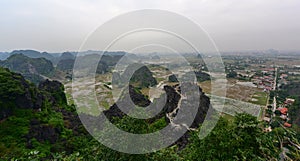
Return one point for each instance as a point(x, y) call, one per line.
point(283, 110)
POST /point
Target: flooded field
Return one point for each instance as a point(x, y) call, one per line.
point(237, 90)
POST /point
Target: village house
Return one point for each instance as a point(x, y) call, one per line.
point(289, 101)
point(283, 110)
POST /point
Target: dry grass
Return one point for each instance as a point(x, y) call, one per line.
point(234, 91)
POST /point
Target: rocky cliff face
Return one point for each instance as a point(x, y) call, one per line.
point(171, 101)
point(54, 91)
point(52, 120)
point(137, 99)
point(35, 117)
point(16, 92)
point(48, 118)
point(142, 77)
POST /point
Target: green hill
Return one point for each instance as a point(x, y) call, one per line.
point(142, 77)
point(33, 118)
point(37, 124)
point(34, 69)
point(33, 54)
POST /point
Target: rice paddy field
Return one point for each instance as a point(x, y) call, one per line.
point(240, 96)
point(84, 88)
point(231, 106)
point(235, 90)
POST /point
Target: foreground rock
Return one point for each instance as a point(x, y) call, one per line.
point(171, 101)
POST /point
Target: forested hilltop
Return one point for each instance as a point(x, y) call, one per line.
point(33, 69)
point(37, 123)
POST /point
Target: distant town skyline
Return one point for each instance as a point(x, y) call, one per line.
point(58, 26)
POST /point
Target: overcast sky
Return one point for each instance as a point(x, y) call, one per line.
point(61, 25)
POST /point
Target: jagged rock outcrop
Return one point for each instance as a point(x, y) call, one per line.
point(138, 76)
point(33, 69)
point(134, 95)
point(39, 115)
point(42, 133)
point(54, 91)
point(171, 101)
point(142, 77)
point(172, 78)
point(16, 92)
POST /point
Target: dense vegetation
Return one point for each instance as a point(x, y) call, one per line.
point(290, 90)
point(290, 136)
point(231, 74)
point(33, 120)
point(51, 129)
point(16, 92)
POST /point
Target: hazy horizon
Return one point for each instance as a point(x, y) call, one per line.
point(225, 51)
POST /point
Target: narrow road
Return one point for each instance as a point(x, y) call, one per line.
point(274, 98)
point(174, 112)
point(274, 88)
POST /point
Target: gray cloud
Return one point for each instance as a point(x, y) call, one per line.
point(55, 25)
